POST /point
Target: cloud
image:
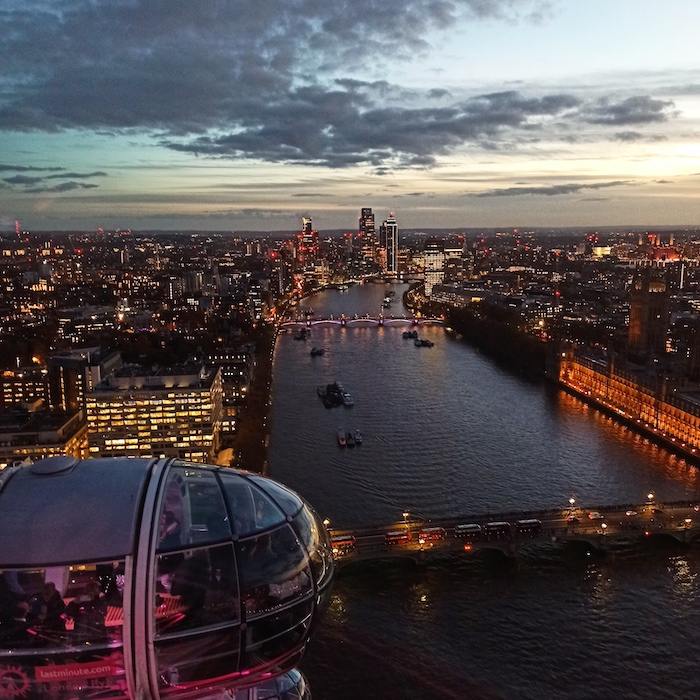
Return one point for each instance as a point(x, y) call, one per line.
point(632, 111)
point(268, 81)
point(190, 66)
point(22, 180)
point(633, 136)
point(31, 183)
point(78, 176)
point(338, 128)
point(63, 187)
point(7, 167)
point(550, 190)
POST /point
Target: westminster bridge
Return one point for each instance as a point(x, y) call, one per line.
point(600, 530)
point(356, 320)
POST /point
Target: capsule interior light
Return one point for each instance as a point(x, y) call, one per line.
point(137, 579)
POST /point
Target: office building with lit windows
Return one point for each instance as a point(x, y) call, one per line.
point(434, 265)
point(367, 234)
point(389, 241)
point(160, 411)
point(32, 435)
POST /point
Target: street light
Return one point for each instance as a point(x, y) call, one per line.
point(405, 517)
point(326, 522)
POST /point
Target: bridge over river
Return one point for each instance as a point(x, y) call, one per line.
point(602, 529)
point(342, 320)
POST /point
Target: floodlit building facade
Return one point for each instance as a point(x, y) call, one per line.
point(166, 411)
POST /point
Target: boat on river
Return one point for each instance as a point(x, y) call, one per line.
point(340, 434)
point(315, 352)
point(349, 439)
point(358, 436)
point(347, 399)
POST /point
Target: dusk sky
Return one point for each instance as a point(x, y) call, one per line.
point(249, 114)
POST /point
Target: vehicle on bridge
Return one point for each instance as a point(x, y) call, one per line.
point(397, 537)
point(595, 515)
point(470, 531)
point(431, 534)
point(529, 527)
point(342, 545)
point(497, 530)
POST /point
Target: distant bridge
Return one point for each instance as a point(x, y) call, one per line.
point(356, 320)
point(610, 528)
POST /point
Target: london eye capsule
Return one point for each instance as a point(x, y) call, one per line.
point(138, 579)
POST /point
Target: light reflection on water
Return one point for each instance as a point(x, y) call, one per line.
point(447, 432)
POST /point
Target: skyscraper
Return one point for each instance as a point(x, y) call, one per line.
point(389, 241)
point(307, 244)
point(368, 234)
point(434, 264)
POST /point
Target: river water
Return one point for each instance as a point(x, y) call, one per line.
point(446, 433)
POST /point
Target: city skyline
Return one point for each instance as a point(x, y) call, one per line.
point(238, 116)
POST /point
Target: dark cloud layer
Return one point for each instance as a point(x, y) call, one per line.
point(245, 79)
point(550, 190)
point(63, 187)
point(32, 183)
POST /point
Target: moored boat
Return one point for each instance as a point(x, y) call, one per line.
point(358, 436)
point(340, 434)
point(317, 351)
point(347, 399)
point(349, 439)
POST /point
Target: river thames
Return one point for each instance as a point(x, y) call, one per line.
point(447, 432)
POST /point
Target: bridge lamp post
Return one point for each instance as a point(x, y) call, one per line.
point(326, 523)
point(687, 522)
point(605, 528)
point(405, 518)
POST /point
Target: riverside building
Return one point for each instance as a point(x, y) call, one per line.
point(166, 411)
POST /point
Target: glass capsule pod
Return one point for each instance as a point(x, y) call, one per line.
point(137, 579)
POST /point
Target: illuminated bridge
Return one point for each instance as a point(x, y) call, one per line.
point(356, 320)
point(604, 529)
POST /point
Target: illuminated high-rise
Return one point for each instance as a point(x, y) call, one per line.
point(434, 265)
point(307, 245)
point(367, 234)
point(389, 241)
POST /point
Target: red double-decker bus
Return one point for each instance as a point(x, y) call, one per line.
point(430, 534)
point(342, 544)
point(397, 537)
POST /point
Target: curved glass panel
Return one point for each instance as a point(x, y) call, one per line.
point(183, 663)
point(273, 636)
point(196, 588)
point(61, 632)
point(251, 509)
point(313, 534)
point(192, 510)
point(274, 570)
point(288, 501)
